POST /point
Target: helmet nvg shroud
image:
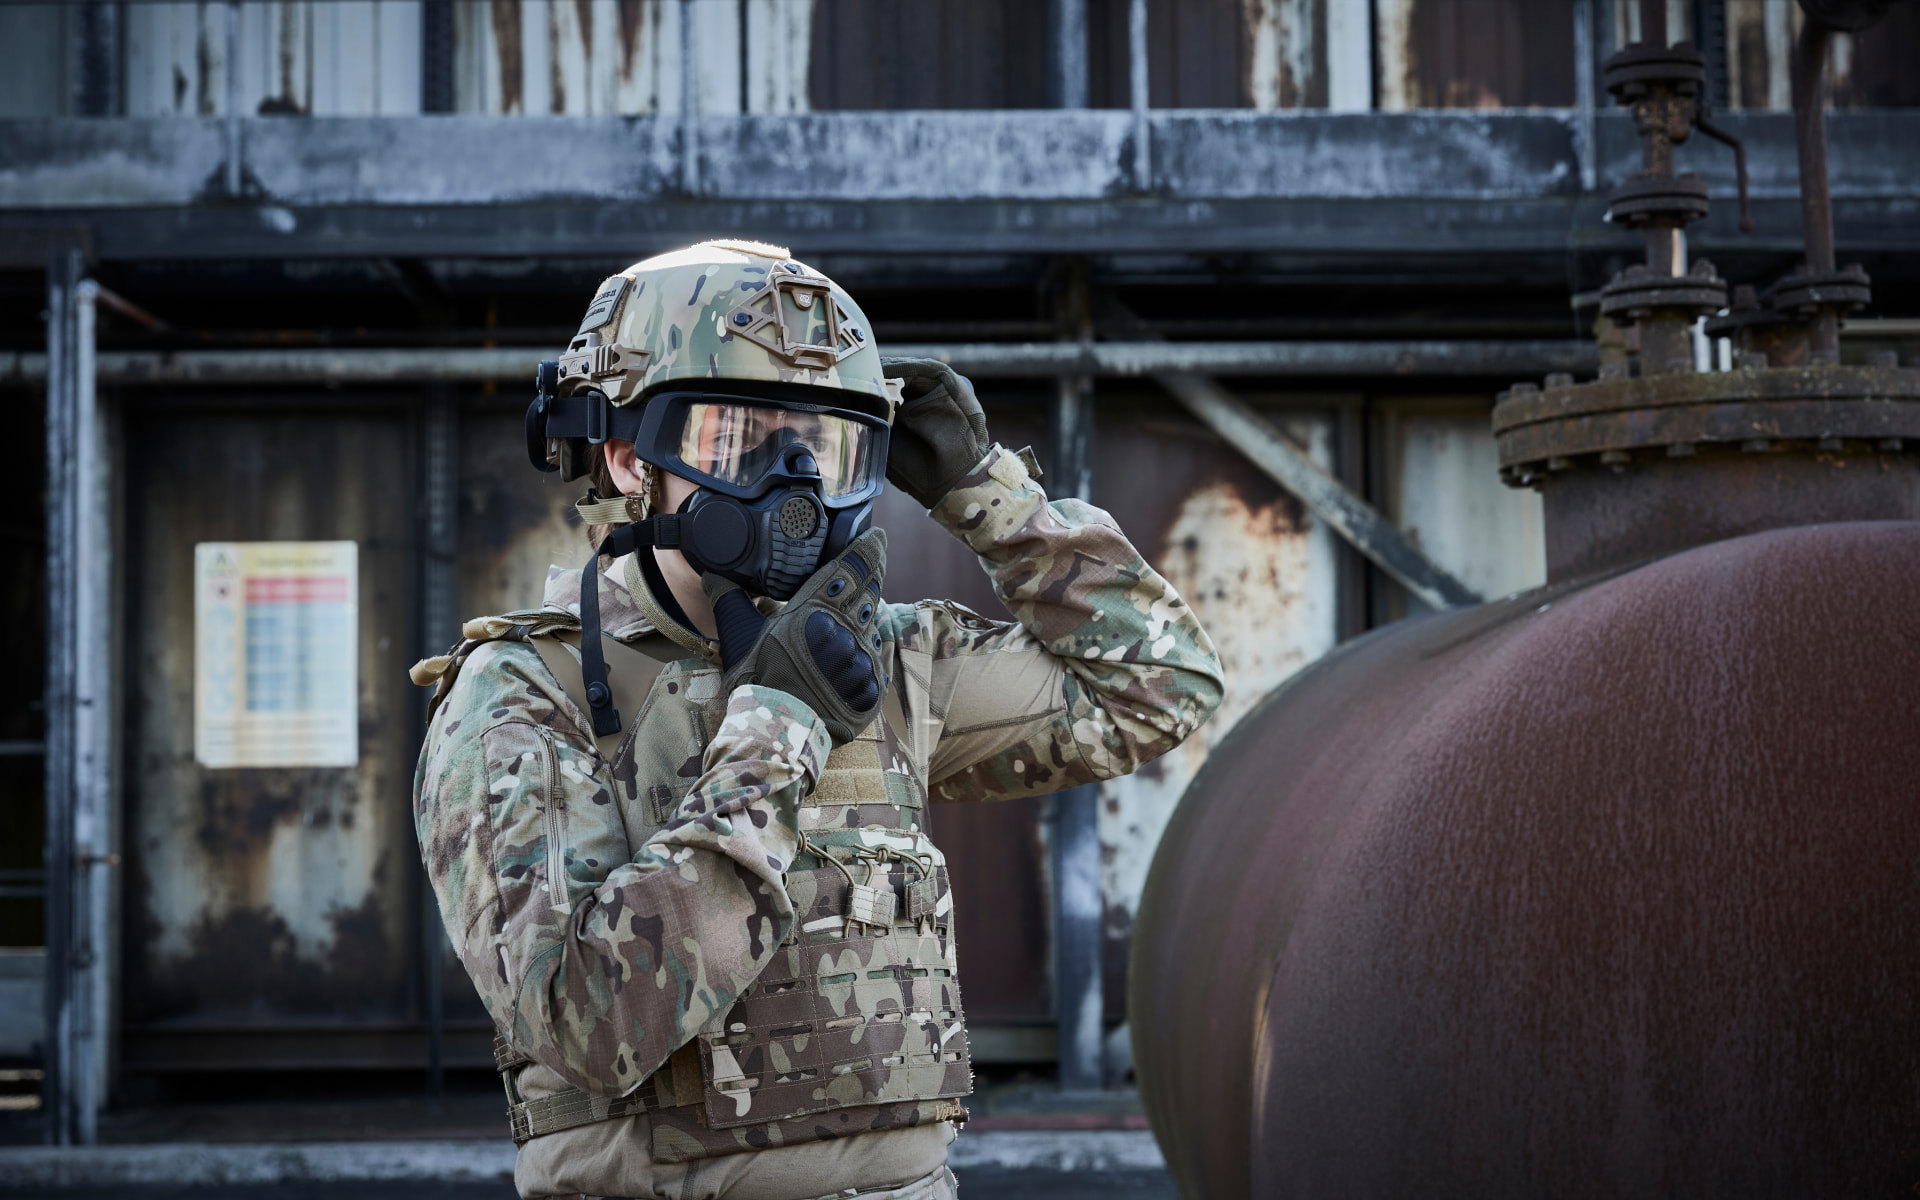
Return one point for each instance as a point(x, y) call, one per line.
point(752, 375)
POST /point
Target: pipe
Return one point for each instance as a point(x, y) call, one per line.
point(1810, 136)
point(998, 360)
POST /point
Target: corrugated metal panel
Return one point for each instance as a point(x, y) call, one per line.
point(539, 57)
point(1286, 53)
point(779, 40)
point(1265, 54)
point(1759, 47)
point(311, 57)
point(909, 54)
point(1474, 53)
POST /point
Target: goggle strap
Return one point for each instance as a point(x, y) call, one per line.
point(590, 415)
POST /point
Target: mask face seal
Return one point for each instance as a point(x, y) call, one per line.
point(770, 544)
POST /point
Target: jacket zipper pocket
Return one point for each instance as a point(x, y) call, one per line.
point(556, 822)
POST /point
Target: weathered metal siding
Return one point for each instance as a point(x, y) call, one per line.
point(906, 54)
point(1259, 572)
point(1264, 54)
point(1759, 47)
point(538, 57)
point(1473, 53)
point(265, 903)
point(1442, 487)
point(297, 57)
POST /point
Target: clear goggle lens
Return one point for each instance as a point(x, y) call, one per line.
point(739, 443)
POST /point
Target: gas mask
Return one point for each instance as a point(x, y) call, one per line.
point(784, 483)
point(783, 487)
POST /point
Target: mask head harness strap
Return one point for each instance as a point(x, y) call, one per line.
point(661, 530)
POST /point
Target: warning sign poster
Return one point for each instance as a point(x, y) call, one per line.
point(276, 668)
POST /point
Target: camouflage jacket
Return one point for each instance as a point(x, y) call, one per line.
point(609, 911)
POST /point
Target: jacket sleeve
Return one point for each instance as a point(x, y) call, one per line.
point(597, 960)
point(1105, 669)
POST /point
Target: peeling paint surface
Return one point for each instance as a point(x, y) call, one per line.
point(265, 896)
point(1259, 572)
point(1448, 498)
point(296, 58)
point(626, 57)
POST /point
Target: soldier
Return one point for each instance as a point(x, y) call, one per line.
point(675, 827)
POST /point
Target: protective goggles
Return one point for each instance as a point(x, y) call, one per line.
point(733, 444)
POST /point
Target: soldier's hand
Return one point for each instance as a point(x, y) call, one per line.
point(823, 648)
point(940, 432)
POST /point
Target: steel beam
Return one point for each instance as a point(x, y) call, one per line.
point(1441, 185)
point(1074, 814)
point(1327, 498)
point(998, 360)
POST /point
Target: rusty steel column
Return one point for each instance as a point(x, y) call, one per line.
point(440, 623)
point(1073, 816)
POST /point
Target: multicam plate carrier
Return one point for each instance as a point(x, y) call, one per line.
point(859, 1007)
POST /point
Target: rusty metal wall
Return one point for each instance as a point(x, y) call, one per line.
point(267, 911)
point(266, 905)
point(536, 57)
point(1473, 53)
point(1263, 54)
point(903, 54)
point(296, 57)
point(1260, 573)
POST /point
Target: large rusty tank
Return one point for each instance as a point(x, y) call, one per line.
point(1612, 888)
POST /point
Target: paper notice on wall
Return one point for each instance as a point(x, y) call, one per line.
point(276, 670)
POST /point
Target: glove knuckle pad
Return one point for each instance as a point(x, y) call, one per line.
point(840, 661)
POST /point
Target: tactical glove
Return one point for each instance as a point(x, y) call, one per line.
point(823, 648)
point(940, 432)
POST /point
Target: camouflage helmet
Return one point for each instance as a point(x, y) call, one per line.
point(722, 310)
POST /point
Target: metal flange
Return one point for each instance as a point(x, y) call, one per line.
point(1818, 408)
point(1637, 291)
point(1644, 199)
point(1847, 288)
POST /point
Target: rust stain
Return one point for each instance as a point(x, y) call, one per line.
point(507, 47)
point(630, 14)
point(286, 103)
point(247, 963)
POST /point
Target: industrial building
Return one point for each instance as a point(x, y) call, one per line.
point(1246, 273)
